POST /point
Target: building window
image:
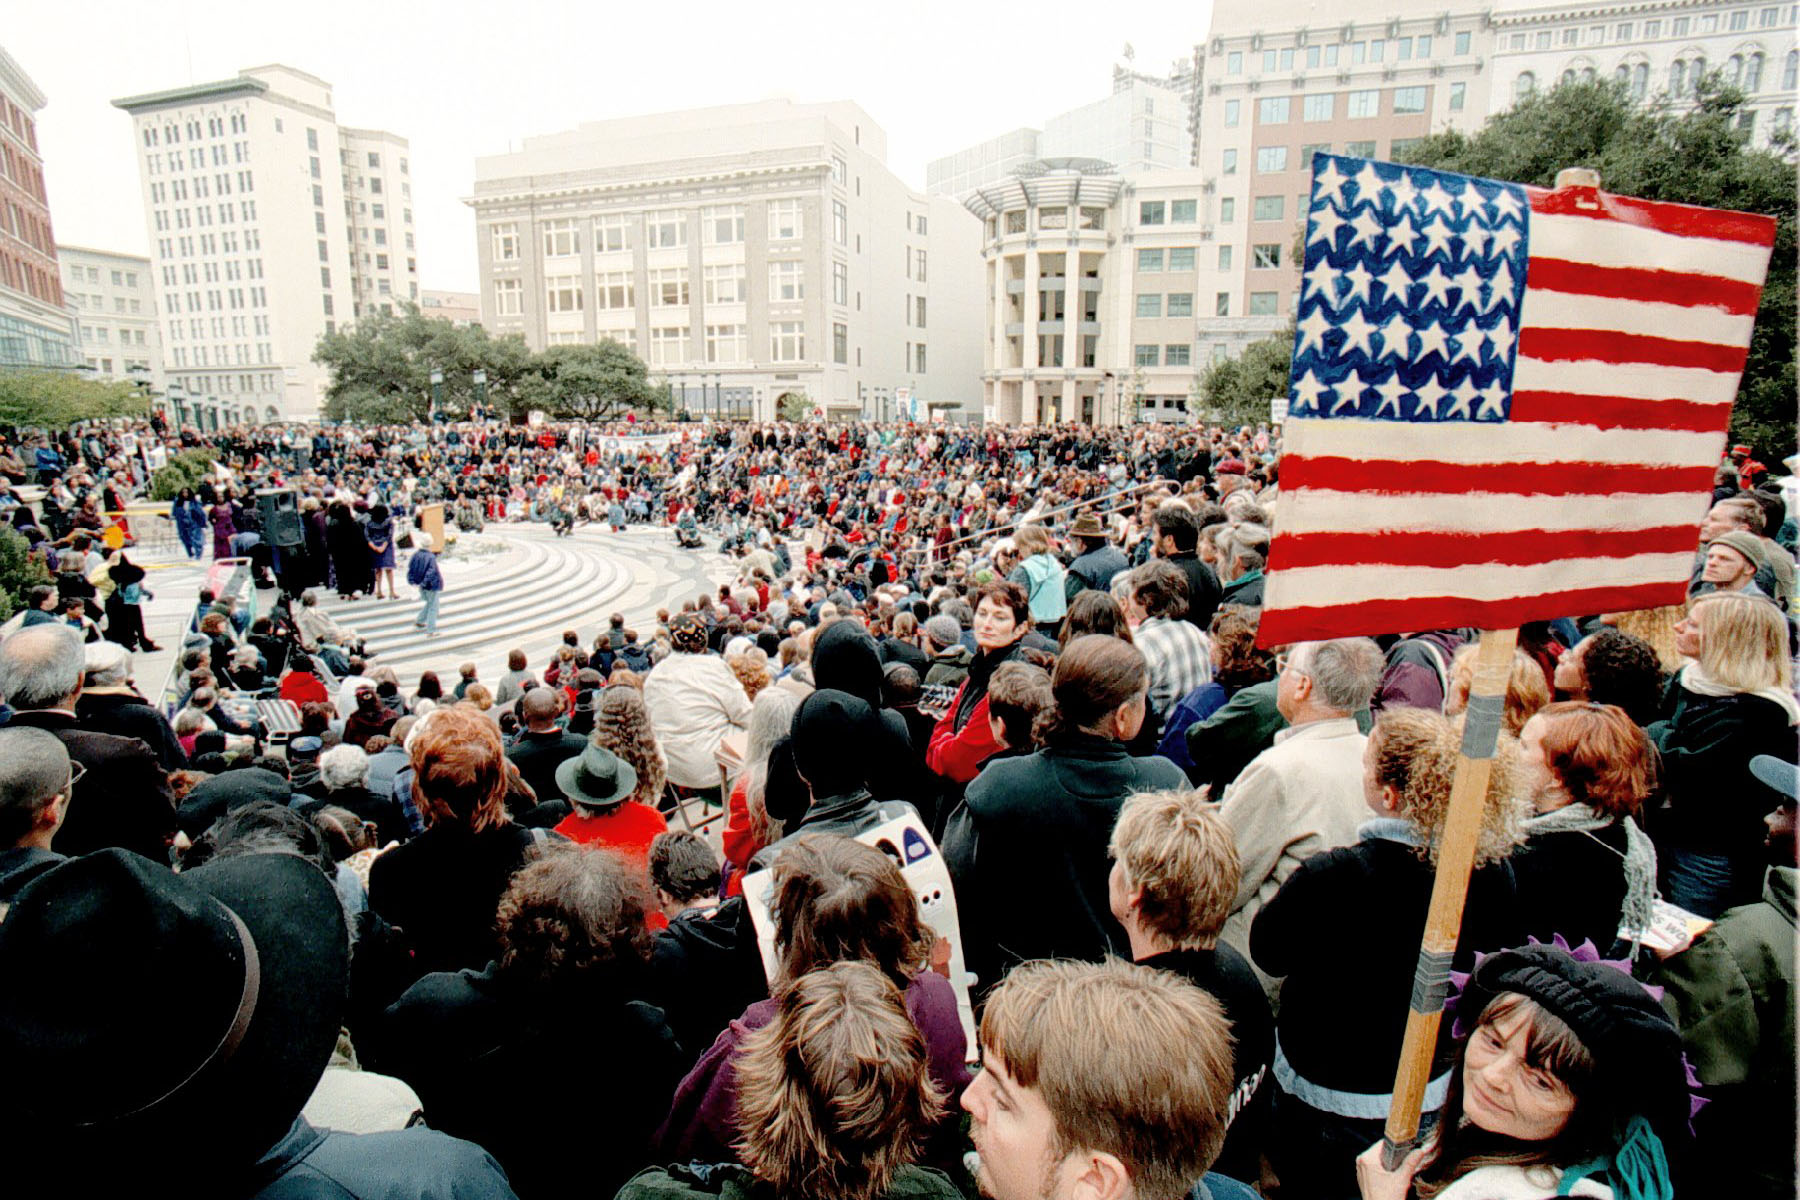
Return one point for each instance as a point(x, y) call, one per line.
point(1149, 304)
point(1360, 149)
point(786, 282)
point(919, 265)
point(1272, 158)
point(1227, 210)
point(612, 232)
point(840, 170)
point(1402, 147)
point(725, 283)
point(840, 223)
point(1269, 208)
point(1262, 304)
point(614, 289)
point(919, 313)
point(1789, 70)
point(1363, 104)
point(1181, 258)
point(665, 229)
point(506, 242)
point(1234, 62)
point(1458, 93)
point(1150, 260)
point(1232, 109)
point(1409, 100)
point(1228, 163)
point(1148, 356)
point(1753, 69)
point(1274, 110)
point(1265, 255)
point(669, 288)
point(509, 297)
point(1092, 218)
point(1462, 42)
point(1321, 107)
point(727, 344)
point(1224, 258)
point(787, 341)
point(562, 293)
point(1525, 84)
point(840, 283)
point(723, 226)
point(1653, 28)
point(1183, 212)
point(840, 343)
point(1177, 356)
point(1181, 304)
point(668, 345)
point(1150, 212)
point(785, 222)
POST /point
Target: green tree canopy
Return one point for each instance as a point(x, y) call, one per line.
point(381, 371)
point(1237, 391)
point(1700, 156)
point(58, 399)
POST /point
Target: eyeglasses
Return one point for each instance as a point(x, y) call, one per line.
point(76, 771)
point(1283, 662)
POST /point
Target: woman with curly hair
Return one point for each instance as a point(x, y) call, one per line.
point(486, 1048)
point(622, 725)
point(1344, 930)
point(1237, 663)
point(751, 666)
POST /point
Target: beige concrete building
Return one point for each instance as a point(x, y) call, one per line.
point(250, 196)
point(461, 309)
point(1281, 79)
point(37, 326)
point(115, 295)
point(746, 253)
point(1657, 49)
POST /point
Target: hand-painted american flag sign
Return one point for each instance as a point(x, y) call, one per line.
point(1506, 403)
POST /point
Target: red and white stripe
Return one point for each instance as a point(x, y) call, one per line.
point(1589, 498)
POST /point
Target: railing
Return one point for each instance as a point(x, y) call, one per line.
point(1105, 505)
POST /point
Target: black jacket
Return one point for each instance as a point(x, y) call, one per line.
point(1027, 852)
point(443, 889)
point(1715, 805)
point(1573, 884)
point(124, 799)
point(705, 969)
point(385, 811)
point(1344, 930)
point(129, 716)
point(1204, 592)
point(495, 1060)
point(537, 755)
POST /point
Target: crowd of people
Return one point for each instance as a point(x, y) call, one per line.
point(462, 937)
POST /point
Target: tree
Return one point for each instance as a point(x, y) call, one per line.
point(794, 407)
point(185, 470)
point(58, 399)
point(596, 382)
point(1237, 391)
point(1696, 157)
point(20, 571)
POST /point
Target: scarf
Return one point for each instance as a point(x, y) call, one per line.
point(981, 669)
point(1640, 858)
point(1695, 679)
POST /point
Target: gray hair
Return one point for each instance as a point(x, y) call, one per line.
point(41, 666)
point(1246, 543)
point(1345, 671)
point(34, 767)
point(108, 664)
point(343, 766)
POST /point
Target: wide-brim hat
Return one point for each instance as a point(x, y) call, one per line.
point(144, 1008)
point(596, 777)
point(1087, 525)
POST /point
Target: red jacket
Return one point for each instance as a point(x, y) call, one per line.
point(303, 687)
point(958, 756)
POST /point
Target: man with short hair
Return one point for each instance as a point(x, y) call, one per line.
point(1074, 1103)
point(123, 798)
point(543, 745)
point(1177, 539)
point(1178, 654)
point(1774, 575)
point(1304, 794)
point(36, 778)
point(684, 874)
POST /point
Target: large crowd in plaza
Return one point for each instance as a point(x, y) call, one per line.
point(452, 935)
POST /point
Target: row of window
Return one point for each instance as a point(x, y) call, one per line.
point(215, 127)
point(668, 287)
point(1362, 104)
point(121, 304)
point(240, 327)
point(1626, 31)
point(102, 333)
point(225, 356)
point(218, 301)
point(1404, 49)
point(22, 171)
point(1743, 71)
point(120, 278)
point(1179, 354)
point(664, 229)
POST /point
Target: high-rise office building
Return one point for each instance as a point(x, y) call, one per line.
point(121, 338)
point(269, 225)
point(37, 330)
point(746, 253)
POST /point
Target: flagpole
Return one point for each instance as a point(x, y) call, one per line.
point(1456, 858)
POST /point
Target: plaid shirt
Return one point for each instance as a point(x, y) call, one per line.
point(1179, 656)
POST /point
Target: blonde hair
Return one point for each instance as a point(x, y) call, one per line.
point(1655, 626)
point(1526, 690)
point(1743, 641)
point(1416, 753)
point(1031, 539)
point(1176, 850)
point(751, 666)
point(835, 1095)
point(1130, 1061)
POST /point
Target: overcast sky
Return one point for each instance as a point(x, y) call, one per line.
point(462, 79)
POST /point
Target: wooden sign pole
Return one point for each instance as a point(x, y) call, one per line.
point(1456, 857)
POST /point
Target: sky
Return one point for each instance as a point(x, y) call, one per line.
point(462, 79)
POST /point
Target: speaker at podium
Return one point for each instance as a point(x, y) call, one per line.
point(279, 509)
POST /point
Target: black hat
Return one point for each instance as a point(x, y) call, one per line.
point(596, 777)
point(833, 733)
point(846, 657)
point(144, 1008)
point(1635, 1045)
point(213, 798)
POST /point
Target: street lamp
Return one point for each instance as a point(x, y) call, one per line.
point(479, 378)
point(437, 392)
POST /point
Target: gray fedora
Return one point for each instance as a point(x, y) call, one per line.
point(596, 778)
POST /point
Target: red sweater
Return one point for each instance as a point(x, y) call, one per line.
point(958, 756)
